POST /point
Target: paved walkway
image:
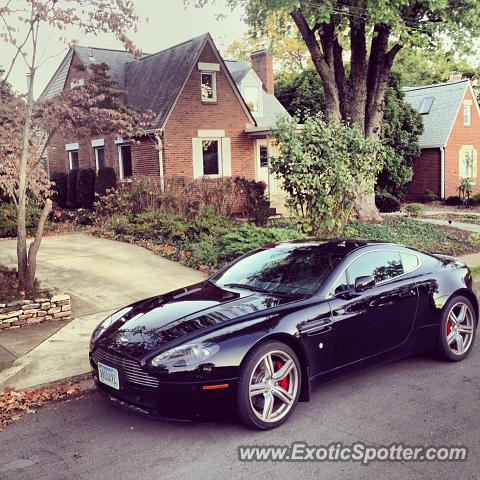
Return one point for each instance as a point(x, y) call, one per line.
point(469, 227)
point(101, 276)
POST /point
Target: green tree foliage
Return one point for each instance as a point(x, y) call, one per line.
point(302, 95)
point(401, 129)
point(321, 166)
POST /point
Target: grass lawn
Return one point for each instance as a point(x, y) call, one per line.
point(424, 236)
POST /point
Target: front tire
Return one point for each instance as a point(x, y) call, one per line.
point(269, 386)
point(457, 329)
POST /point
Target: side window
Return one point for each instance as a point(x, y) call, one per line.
point(383, 265)
point(340, 285)
point(410, 262)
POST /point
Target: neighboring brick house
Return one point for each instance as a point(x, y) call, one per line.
point(450, 141)
point(213, 117)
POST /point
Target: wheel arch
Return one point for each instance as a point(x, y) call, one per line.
point(465, 292)
point(297, 347)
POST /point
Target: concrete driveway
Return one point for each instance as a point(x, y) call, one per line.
point(99, 274)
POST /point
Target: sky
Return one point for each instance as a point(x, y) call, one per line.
point(169, 23)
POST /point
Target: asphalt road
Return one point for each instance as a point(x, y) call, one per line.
point(416, 401)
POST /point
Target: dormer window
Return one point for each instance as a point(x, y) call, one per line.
point(425, 106)
point(209, 86)
point(251, 95)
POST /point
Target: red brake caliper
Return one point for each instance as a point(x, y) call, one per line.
point(449, 327)
point(284, 381)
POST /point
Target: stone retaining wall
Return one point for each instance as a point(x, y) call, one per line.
point(27, 312)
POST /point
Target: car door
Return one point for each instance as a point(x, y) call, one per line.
point(375, 320)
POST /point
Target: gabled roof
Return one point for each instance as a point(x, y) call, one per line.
point(152, 82)
point(238, 69)
point(155, 81)
point(447, 98)
point(272, 108)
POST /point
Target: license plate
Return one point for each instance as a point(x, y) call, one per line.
point(108, 376)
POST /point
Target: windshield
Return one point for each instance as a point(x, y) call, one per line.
point(290, 269)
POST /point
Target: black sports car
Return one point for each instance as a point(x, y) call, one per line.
point(261, 331)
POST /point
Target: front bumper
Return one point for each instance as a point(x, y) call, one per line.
point(172, 400)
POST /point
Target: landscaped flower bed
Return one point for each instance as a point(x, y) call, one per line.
point(18, 309)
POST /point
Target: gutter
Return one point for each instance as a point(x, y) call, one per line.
point(442, 173)
point(158, 136)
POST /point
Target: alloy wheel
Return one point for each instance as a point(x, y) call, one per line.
point(273, 386)
point(460, 328)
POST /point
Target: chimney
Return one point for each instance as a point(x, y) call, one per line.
point(455, 76)
point(262, 63)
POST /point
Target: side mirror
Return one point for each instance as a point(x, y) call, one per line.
point(364, 283)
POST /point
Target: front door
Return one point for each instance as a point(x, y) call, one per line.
point(261, 160)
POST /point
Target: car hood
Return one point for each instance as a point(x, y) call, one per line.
point(154, 323)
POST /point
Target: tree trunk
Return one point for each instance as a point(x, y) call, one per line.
point(35, 245)
point(22, 259)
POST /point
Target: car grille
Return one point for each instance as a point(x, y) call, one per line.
point(131, 369)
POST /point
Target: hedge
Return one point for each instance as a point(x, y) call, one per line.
point(86, 188)
point(106, 179)
point(60, 190)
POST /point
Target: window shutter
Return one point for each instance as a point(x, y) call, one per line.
point(474, 163)
point(197, 157)
point(226, 158)
point(461, 164)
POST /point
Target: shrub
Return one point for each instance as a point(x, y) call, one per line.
point(60, 189)
point(429, 196)
point(106, 180)
point(160, 226)
point(414, 209)
point(72, 188)
point(8, 219)
point(86, 188)
point(453, 201)
point(242, 239)
point(207, 223)
point(257, 206)
point(386, 202)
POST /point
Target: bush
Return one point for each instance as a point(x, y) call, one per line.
point(429, 196)
point(60, 189)
point(72, 188)
point(106, 180)
point(257, 206)
point(159, 226)
point(414, 209)
point(86, 188)
point(386, 202)
point(453, 201)
point(8, 219)
point(242, 239)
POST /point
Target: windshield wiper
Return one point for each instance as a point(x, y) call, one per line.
point(246, 286)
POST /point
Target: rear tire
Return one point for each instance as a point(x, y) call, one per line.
point(269, 386)
point(457, 329)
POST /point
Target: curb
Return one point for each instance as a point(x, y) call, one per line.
point(85, 380)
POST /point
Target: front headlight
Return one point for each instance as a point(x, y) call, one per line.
point(104, 324)
point(184, 355)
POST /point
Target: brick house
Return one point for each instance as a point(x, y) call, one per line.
point(213, 117)
point(450, 141)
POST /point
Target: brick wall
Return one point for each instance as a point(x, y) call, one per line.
point(190, 114)
point(461, 135)
point(426, 174)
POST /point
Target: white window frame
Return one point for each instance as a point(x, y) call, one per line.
point(259, 106)
point(219, 157)
point(70, 167)
point(467, 115)
point(120, 161)
point(96, 149)
point(214, 86)
point(77, 83)
point(469, 170)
